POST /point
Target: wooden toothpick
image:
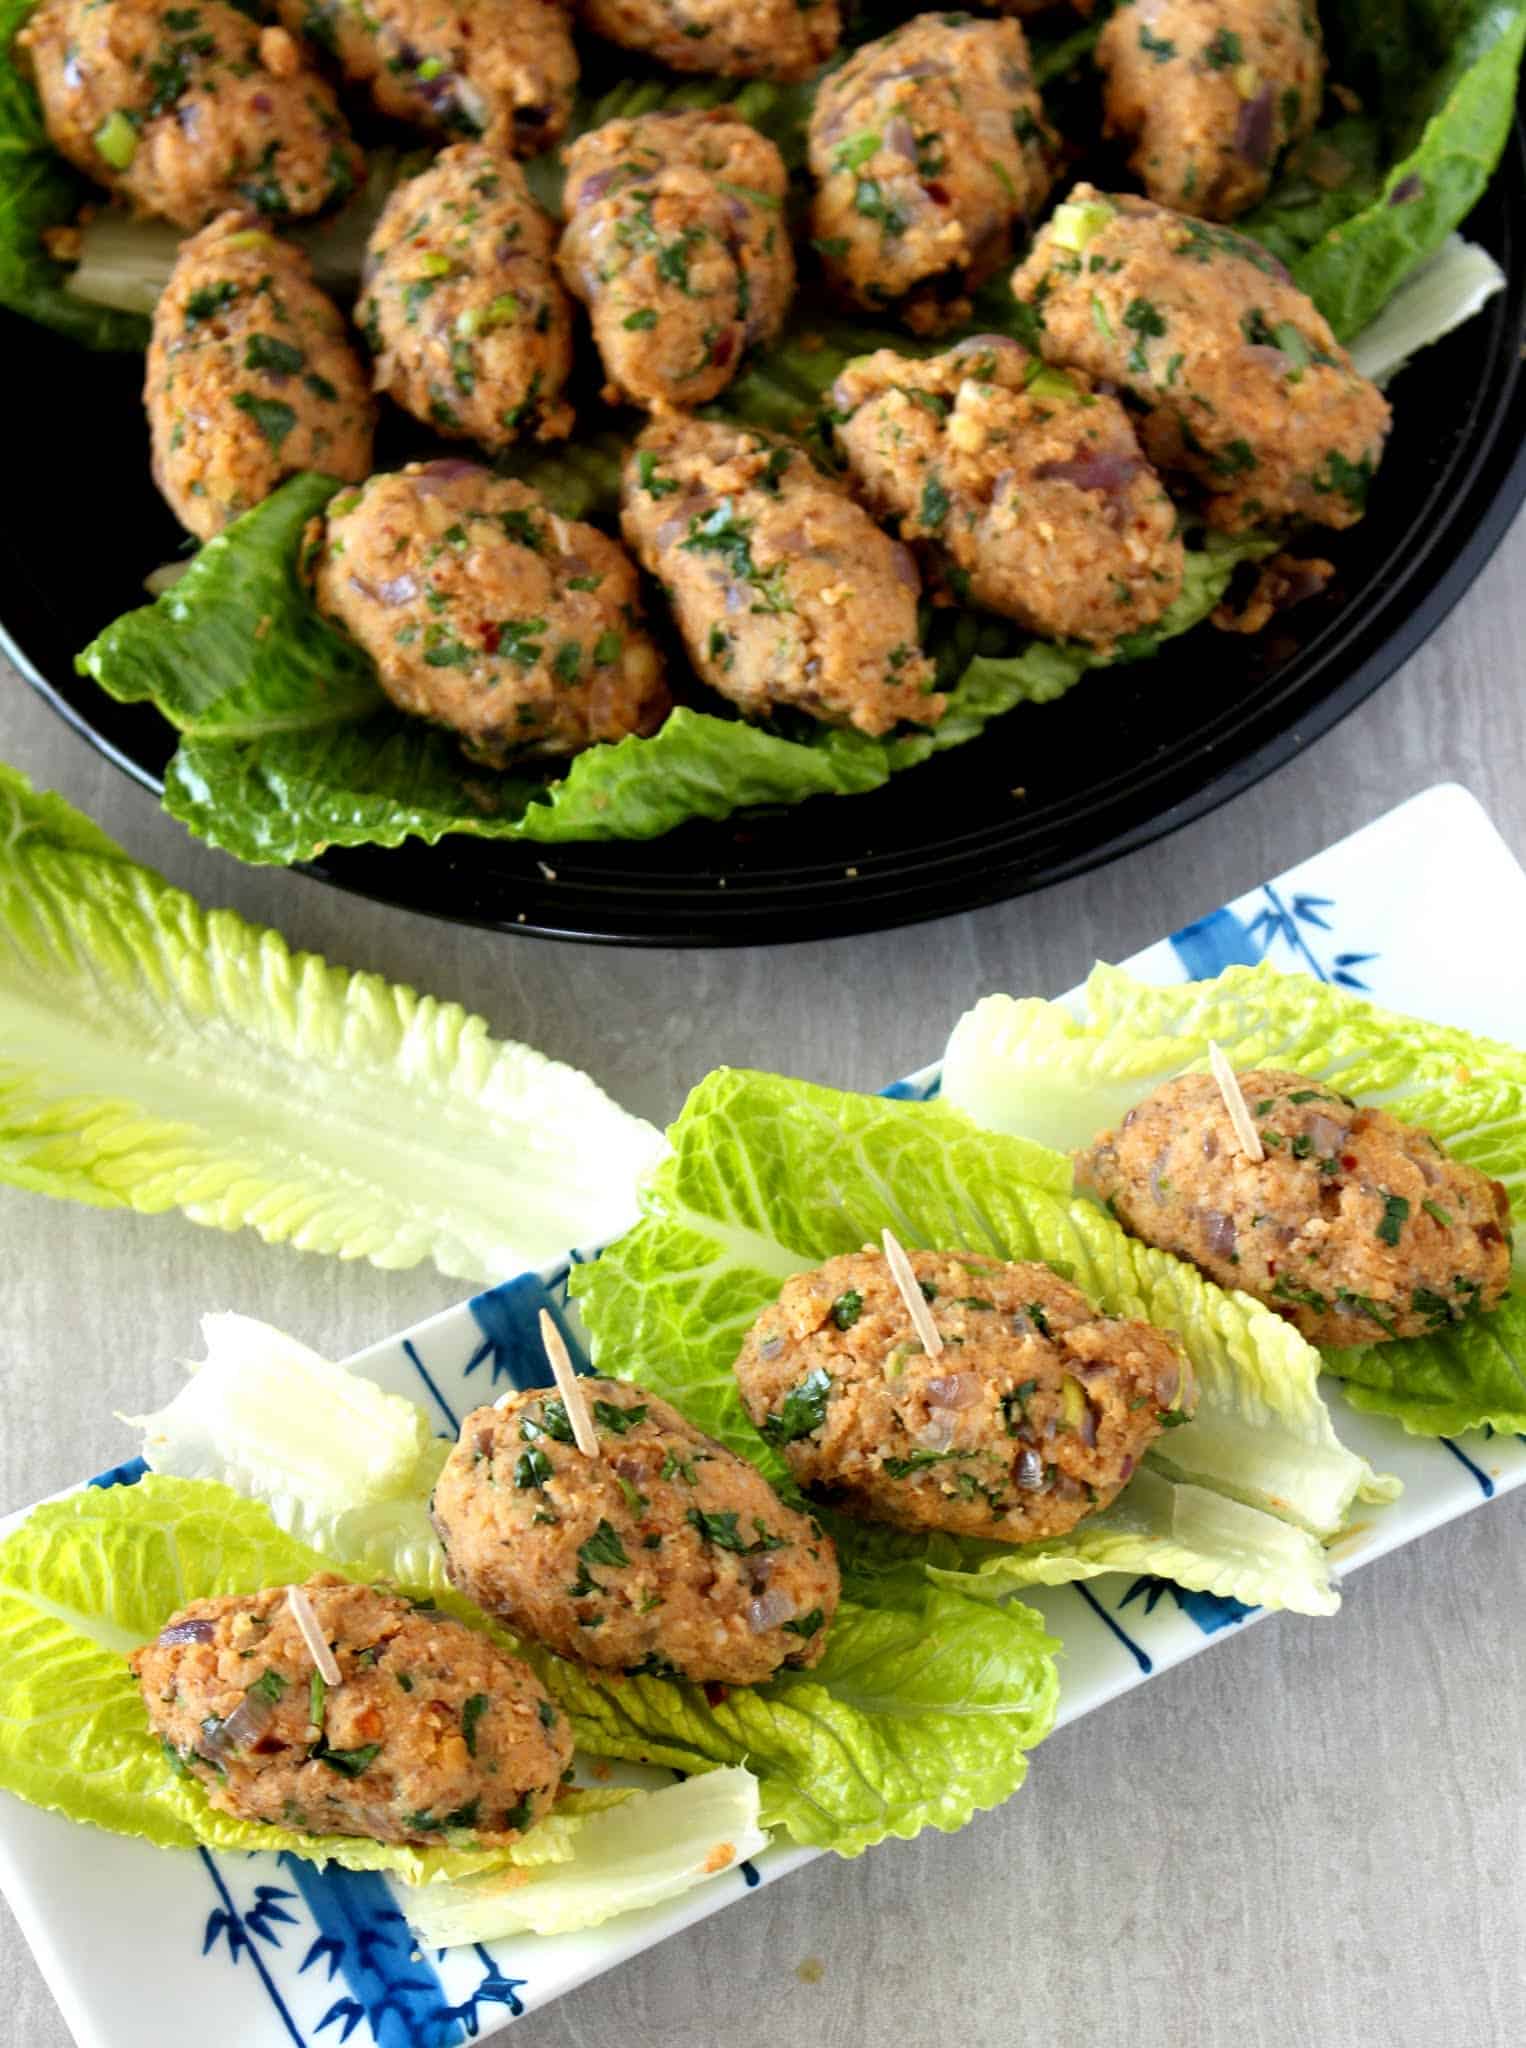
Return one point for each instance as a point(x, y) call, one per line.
point(1235, 1103)
point(570, 1389)
point(915, 1300)
point(304, 1615)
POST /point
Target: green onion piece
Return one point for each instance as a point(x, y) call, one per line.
point(1078, 222)
point(117, 140)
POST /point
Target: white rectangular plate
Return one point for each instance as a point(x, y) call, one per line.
point(151, 1949)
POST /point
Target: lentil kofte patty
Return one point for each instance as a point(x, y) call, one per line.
point(930, 155)
point(667, 1553)
point(487, 613)
point(188, 112)
point(1022, 489)
point(785, 591)
point(1244, 386)
point(461, 306)
point(498, 71)
point(251, 377)
point(1211, 93)
point(1355, 1227)
point(782, 39)
point(676, 242)
point(431, 1728)
point(1034, 1415)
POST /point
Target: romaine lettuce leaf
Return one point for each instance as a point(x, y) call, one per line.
point(771, 1176)
point(1370, 197)
point(647, 1849)
point(236, 649)
point(1473, 1377)
point(918, 1716)
point(1444, 292)
point(288, 746)
point(1042, 1071)
point(157, 1056)
point(342, 1466)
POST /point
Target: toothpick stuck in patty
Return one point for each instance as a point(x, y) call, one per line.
point(571, 1392)
point(1235, 1103)
point(911, 1293)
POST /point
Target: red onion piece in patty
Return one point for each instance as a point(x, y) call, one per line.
point(398, 589)
point(1210, 1143)
point(769, 1609)
point(243, 1727)
point(1102, 472)
point(937, 1433)
point(434, 476)
point(186, 1632)
point(262, 103)
point(1157, 1178)
point(1273, 359)
point(1168, 1383)
point(1029, 1472)
point(594, 187)
point(953, 1390)
point(899, 138)
point(926, 67)
point(1325, 1134)
point(1253, 131)
point(1219, 1233)
point(770, 1348)
point(1086, 1428)
point(905, 567)
point(1125, 1469)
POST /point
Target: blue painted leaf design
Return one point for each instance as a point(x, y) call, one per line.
point(350, 2010)
point(327, 1948)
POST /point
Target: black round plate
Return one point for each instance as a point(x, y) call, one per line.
point(1045, 793)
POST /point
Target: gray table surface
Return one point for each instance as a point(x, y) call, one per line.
point(1316, 1835)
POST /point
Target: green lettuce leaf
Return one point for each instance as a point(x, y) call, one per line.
point(288, 746)
point(1443, 293)
point(86, 1579)
point(39, 190)
point(918, 1716)
point(1045, 1072)
point(189, 652)
point(342, 1466)
point(1473, 1377)
point(643, 1851)
point(770, 1176)
point(1368, 198)
point(158, 1056)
